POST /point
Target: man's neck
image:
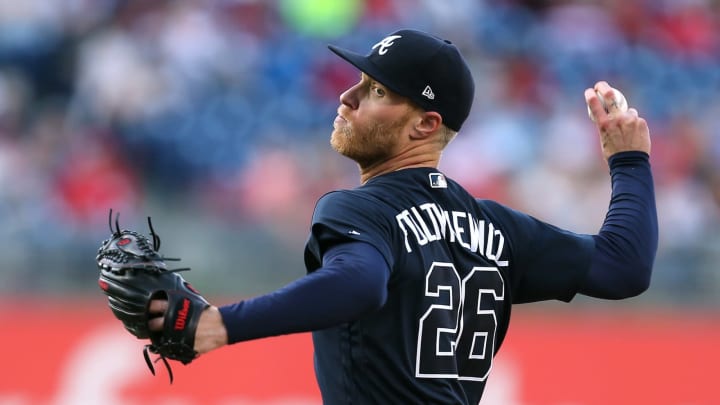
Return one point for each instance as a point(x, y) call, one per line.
point(399, 163)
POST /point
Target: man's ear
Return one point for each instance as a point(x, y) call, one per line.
point(427, 124)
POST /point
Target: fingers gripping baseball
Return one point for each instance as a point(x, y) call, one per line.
point(621, 129)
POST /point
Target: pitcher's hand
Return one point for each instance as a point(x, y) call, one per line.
point(619, 131)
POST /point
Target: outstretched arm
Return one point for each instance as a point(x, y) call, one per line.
point(351, 282)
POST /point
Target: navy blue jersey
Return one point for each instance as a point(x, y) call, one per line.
point(457, 265)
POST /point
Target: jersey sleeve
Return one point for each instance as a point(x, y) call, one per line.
point(547, 262)
point(627, 242)
point(343, 216)
point(353, 278)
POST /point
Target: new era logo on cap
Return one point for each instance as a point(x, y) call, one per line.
point(428, 70)
point(428, 93)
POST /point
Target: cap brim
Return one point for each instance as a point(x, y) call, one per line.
point(363, 63)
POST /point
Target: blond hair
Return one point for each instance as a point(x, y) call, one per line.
point(446, 135)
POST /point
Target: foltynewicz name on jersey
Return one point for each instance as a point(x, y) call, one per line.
point(429, 223)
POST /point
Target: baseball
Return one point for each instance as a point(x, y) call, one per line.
point(620, 100)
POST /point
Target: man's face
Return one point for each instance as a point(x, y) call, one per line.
point(371, 122)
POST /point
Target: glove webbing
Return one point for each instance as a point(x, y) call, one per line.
point(141, 243)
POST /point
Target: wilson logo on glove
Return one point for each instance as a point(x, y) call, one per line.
point(182, 315)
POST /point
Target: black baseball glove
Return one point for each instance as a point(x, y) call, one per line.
point(132, 273)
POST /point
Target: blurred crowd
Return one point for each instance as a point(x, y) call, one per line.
point(213, 117)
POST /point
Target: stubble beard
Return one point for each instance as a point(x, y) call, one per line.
point(367, 145)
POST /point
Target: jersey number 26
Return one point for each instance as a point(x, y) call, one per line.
point(456, 338)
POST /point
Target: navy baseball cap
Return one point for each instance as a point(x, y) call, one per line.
point(427, 69)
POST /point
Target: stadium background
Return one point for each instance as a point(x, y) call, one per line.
point(214, 117)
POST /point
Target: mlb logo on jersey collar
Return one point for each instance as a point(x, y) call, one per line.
point(437, 180)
